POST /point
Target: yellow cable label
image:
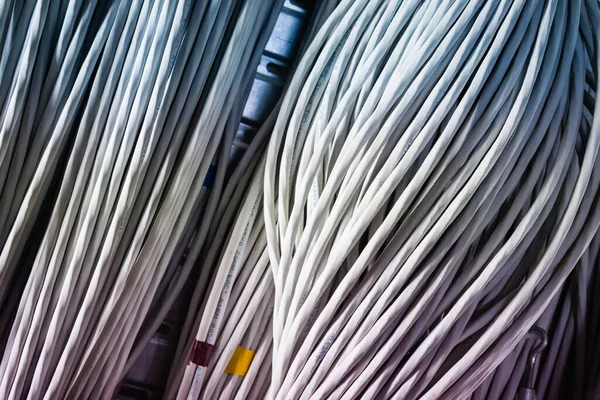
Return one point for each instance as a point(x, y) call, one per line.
point(240, 361)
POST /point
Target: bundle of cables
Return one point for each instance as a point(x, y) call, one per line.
point(417, 218)
point(239, 293)
point(430, 185)
point(112, 116)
